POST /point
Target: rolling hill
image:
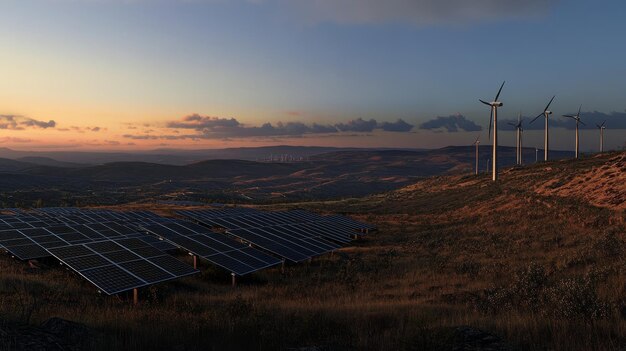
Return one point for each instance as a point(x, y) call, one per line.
point(532, 262)
point(336, 174)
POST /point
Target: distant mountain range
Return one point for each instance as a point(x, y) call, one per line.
point(164, 156)
point(325, 173)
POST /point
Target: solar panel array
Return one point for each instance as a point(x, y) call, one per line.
point(114, 266)
point(118, 251)
point(216, 248)
point(293, 235)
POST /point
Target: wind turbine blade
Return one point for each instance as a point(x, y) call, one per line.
point(602, 125)
point(534, 119)
point(547, 106)
point(499, 91)
point(569, 116)
point(578, 115)
point(512, 124)
point(484, 102)
point(581, 122)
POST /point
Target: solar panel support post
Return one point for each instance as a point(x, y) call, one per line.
point(195, 262)
point(282, 267)
point(234, 280)
point(135, 296)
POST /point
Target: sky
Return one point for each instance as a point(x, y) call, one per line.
point(144, 74)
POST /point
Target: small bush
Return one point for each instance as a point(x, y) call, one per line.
point(576, 298)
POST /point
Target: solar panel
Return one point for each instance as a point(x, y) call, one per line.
point(114, 266)
point(147, 271)
point(218, 249)
point(24, 247)
point(37, 240)
point(27, 252)
point(266, 242)
point(111, 279)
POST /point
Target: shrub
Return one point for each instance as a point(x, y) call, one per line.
point(576, 298)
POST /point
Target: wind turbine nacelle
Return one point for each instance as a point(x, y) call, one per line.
point(548, 112)
point(497, 104)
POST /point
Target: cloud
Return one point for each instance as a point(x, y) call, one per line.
point(200, 123)
point(82, 129)
point(17, 122)
point(207, 127)
point(357, 125)
point(415, 12)
point(397, 126)
point(614, 120)
point(366, 126)
point(451, 124)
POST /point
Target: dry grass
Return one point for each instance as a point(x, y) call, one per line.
point(543, 270)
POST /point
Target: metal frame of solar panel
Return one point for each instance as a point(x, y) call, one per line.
point(115, 266)
point(237, 258)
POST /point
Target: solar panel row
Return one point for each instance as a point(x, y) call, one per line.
point(247, 219)
point(215, 248)
point(294, 235)
point(262, 219)
point(114, 266)
point(113, 251)
point(32, 243)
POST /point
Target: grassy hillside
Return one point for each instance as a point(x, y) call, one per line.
point(537, 259)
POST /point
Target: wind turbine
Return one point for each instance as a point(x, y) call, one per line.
point(477, 142)
point(536, 154)
point(577, 119)
point(602, 128)
point(518, 145)
point(494, 117)
point(545, 113)
point(521, 143)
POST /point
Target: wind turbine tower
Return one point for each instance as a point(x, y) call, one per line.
point(602, 128)
point(546, 113)
point(577, 119)
point(518, 145)
point(536, 155)
point(494, 118)
point(477, 143)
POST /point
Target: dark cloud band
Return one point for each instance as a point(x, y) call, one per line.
point(16, 122)
point(451, 124)
point(207, 127)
